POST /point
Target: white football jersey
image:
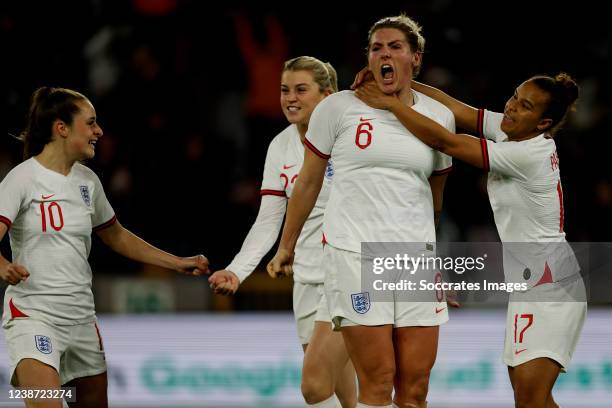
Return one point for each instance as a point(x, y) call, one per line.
point(380, 191)
point(283, 163)
point(526, 196)
point(51, 218)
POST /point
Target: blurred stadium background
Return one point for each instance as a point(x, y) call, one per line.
point(187, 94)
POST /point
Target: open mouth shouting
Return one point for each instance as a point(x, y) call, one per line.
point(387, 73)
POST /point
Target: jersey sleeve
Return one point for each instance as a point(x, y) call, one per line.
point(272, 184)
point(323, 125)
point(489, 125)
point(261, 236)
point(12, 195)
point(443, 163)
point(103, 215)
point(509, 158)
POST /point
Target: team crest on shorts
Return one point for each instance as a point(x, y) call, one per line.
point(43, 344)
point(361, 302)
point(85, 195)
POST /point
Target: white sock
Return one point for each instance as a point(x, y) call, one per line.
point(360, 405)
point(331, 402)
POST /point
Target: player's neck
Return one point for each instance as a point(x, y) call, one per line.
point(54, 158)
point(406, 95)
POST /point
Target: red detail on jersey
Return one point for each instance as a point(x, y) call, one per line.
point(561, 212)
point(443, 171)
point(547, 277)
point(293, 179)
point(272, 192)
point(480, 123)
point(361, 119)
point(554, 161)
point(106, 224)
point(485, 154)
point(517, 352)
point(43, 217)
point(6, 221)
point(324, 240)
point(364, 128)
point(286, 182)
point(439, 310)
point(315, 150)
point(285, 167)
point(44, 197)
point(99, 337)
point(14, 311)
point(52, 218)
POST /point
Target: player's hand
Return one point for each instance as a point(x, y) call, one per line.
point(13, 273)
point(281, 265)
point(193, 265)
point(224, 282)
point(362, 76)
point(371, 94)
point(452, 299)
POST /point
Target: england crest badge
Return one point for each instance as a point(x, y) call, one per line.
point(85, 195)
point(43, 344)
point(361, 302)
point(329, 170)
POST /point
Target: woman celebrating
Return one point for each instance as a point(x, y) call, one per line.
point(305, 82)
point(51, 203)
point(524, 185)
point(385, 189)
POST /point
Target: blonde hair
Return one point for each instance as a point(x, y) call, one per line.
point(323, 73)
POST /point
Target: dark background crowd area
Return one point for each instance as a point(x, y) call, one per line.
point(187, 93)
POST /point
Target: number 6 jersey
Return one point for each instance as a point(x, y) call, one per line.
point(50, 219)
point(380, 191)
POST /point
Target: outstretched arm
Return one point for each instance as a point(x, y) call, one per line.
point(304, 196)
point(259, 240)
point(463, 147)
point(466, 116)
point(129, 245)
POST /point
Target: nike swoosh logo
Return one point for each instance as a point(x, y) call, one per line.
point(439, 310)
point(517, 352)
point(285, 167)
point(361, 119)
point(44, 197)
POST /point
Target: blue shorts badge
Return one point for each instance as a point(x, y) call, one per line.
point(361, 302)
point(43, 344)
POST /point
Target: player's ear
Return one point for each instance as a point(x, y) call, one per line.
point(417, 59)
point(60, 128)
point(544, 124)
